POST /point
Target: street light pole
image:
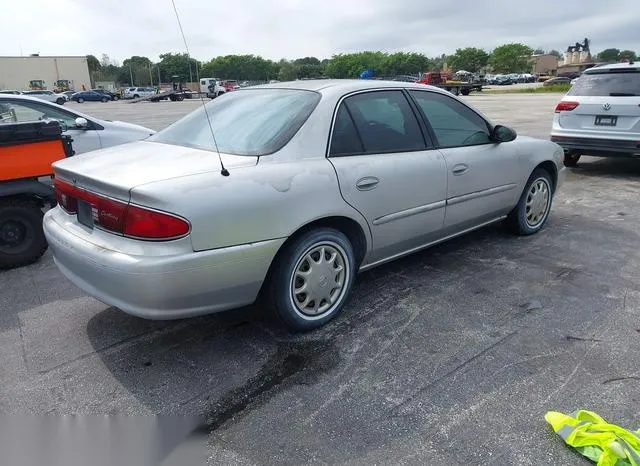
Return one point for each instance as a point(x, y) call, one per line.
point(131, 75)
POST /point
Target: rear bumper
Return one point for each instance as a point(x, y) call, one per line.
point(597, 146)
point(161, 286)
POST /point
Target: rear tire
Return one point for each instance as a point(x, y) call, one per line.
point(571, 160)
point(465, 91)
point(22, 239)
point(534, 206)
point(116, 98)
point(307, 289)
point(80, 100)
point(104, 100)
point(60, 101)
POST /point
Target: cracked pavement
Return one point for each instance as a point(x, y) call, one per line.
point(450, 356)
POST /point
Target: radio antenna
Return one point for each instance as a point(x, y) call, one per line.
point(223, 171)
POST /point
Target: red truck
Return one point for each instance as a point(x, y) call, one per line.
point(444, 81)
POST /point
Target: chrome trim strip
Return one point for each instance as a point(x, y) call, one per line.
point(408, 212)
point(483, 193)
point(432, 243)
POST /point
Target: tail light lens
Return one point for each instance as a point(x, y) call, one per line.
point(566, 106)
point(119, 217)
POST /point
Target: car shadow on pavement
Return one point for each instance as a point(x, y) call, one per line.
point(614, 167)
point(221, 363)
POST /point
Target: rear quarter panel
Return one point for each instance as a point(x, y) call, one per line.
point(266, 201)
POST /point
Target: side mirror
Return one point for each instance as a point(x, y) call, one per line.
point(503, 134)
point(82, 123)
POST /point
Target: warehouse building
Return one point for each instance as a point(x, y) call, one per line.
point(23, 73)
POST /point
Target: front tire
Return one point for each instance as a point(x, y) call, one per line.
point(104, 100)
point(60, 101)
point(571, 160)
point(534, 206)
point(80, 100)
point(22, 239)
point(116, 98)
point(312, 278)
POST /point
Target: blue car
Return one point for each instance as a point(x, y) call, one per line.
point(89, 96)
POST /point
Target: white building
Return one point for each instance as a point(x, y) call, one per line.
point(17, 72)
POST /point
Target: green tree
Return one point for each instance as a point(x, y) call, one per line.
point(511, 58)
point(468, 59)
point(609, 55)
point(555, 53)
point(176, 64)
point(403, 63)
point(628, 54)
point(93, 64)
point(350, 65)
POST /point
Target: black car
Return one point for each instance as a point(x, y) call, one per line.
point(111, 95)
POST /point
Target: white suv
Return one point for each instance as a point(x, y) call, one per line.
point(600, 115)
point(49, 96)
point(137, 92)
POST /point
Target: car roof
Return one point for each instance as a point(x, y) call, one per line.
point(343, 86)
point(613, 67)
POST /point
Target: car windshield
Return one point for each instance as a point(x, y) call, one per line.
point(250, 122)
point(607, 84)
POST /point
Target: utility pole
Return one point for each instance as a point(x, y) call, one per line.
point(159, 80)
point(131, 75)
point(150, 75)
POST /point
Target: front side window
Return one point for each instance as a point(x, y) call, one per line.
point(248, 122)
point(374, 123)
point(453, 123)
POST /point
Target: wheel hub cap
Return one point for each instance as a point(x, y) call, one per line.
point(318, 280)
point(537, 203)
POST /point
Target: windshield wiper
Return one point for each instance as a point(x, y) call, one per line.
point(622, 94)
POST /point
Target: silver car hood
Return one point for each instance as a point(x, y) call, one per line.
point(116, 170)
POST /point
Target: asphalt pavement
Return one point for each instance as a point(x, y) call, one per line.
point(449, 356)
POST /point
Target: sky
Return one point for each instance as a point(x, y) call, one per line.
point(297, 28)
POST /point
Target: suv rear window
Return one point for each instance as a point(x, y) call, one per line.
point(607, 84)
point(247, 122)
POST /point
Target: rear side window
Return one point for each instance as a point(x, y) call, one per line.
point(375, 123)
point(607, 84)
point(247, 122)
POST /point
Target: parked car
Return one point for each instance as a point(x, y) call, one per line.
point(88, 133)
point(137, 92)
point(90, 96)
point(600, 115)
point(69, 94)
point(557, 80)
point(10, 91)
point(111, 95)
point(230, 85)
point(309, 183)
point(49, 96)
point(502, 80)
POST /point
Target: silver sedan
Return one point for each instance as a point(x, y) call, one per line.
point(284, 192)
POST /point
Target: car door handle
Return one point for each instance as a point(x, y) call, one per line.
point(460, 168)
point(367, 183)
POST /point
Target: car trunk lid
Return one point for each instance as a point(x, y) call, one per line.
point(613, 114)
point(116, 170)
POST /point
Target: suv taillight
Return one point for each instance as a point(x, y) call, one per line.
point(566, 106)
point(119, 217)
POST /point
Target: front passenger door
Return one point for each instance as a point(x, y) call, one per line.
point(388, 171)
point(482, 174)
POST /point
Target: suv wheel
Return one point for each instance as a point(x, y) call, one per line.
point(571, 160)
point(312, 279)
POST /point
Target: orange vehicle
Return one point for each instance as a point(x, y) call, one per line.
point(27, 151)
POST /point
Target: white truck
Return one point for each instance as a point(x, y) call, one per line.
point(212, 87)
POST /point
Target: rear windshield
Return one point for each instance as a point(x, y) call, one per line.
point(245, 122)
point(607, 84)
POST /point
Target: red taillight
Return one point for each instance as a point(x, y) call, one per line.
point(566, 106)
point(150, 224)
point(119, 217)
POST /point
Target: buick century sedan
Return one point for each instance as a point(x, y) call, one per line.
point(284, 192)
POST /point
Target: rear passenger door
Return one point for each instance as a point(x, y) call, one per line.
point(388, 170)
point(482, 175)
